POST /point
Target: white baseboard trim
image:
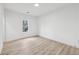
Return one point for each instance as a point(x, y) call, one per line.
point(20, 39)
point(42, 37)
point(58, 41)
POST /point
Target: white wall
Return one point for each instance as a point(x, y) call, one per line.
point(61, 25)
point(14, 25)
point(1, 26)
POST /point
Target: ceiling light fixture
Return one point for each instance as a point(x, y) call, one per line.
point(36, 5)
point(28, 13)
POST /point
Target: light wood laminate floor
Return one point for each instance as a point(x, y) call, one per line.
point(38, 46)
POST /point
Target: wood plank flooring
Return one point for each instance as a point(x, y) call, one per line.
point(38, 46)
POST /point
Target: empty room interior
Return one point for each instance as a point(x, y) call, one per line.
point(39, 28)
